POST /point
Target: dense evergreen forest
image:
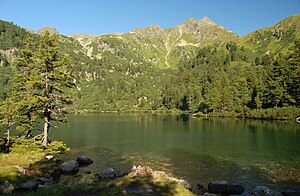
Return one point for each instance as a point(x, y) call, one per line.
point(255, 76)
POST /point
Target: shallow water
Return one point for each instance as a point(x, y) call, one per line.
point(198, 150)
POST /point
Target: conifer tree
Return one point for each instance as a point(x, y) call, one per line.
point(45, 74)
point(7, 116)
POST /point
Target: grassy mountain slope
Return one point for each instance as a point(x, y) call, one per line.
point(131, 71)
point(274, 39)
point(163, 48)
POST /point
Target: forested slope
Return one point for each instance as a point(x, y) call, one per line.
point(196, 66)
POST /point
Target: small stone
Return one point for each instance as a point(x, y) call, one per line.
point(133, 168)
point(44, 180)
point(29, 186)
point(6, 188)
point(187, 185)
point(69, 168)
point(48, 157)
point(107, 174)
point(87, 171)
point(120, 174)
point(263, 191)
point(223, 187)
point(83, 161)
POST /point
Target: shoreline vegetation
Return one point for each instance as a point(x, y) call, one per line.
point(31, 168)
point(285, 113)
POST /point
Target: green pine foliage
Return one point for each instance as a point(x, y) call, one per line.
point(127, 72)
point(11, 36)
point(40, 86)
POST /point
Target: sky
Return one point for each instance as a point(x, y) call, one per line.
point(108, 16)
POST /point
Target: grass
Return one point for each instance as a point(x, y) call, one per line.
point(26, 159)
point(284, 113)
point(123, 186)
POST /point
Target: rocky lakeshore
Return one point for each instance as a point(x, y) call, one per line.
point(73, 177)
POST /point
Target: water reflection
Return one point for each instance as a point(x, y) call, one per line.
point(197, 149)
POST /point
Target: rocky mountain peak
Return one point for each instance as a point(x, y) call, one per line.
point(82, 35)
point(191, 24)
point(204, 28)
point(206, 21)
point(152, 30)
point(41, 31)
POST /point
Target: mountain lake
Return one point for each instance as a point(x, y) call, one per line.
point(248, 152)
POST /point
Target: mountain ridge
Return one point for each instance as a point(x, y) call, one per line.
point(168, 47)
point(205, 21)
point(155, 68)
point(159, 45)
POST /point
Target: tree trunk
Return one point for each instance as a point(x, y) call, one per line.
point(8, 134)
point(29, 132)
point(46, 127)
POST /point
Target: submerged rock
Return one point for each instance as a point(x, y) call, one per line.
point(263, 191)
point(223, 187)
point(83, 161)
point(69, 168)
point(107, 174)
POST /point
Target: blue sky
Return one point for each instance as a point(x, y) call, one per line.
point(106, 16)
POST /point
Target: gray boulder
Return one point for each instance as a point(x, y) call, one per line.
point(69, 168)
point(223, 187)
point(187, 185)
point(29, 186)
point(6, 188)
point(83, 161)
point(107, 174)
point(263, 191)
point(42, 187)
point(45, 181)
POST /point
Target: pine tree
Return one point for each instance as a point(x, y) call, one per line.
point(293, 82)
point(40, 86)
point(7, 116)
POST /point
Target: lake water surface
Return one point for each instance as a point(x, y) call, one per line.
point(198, 150)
